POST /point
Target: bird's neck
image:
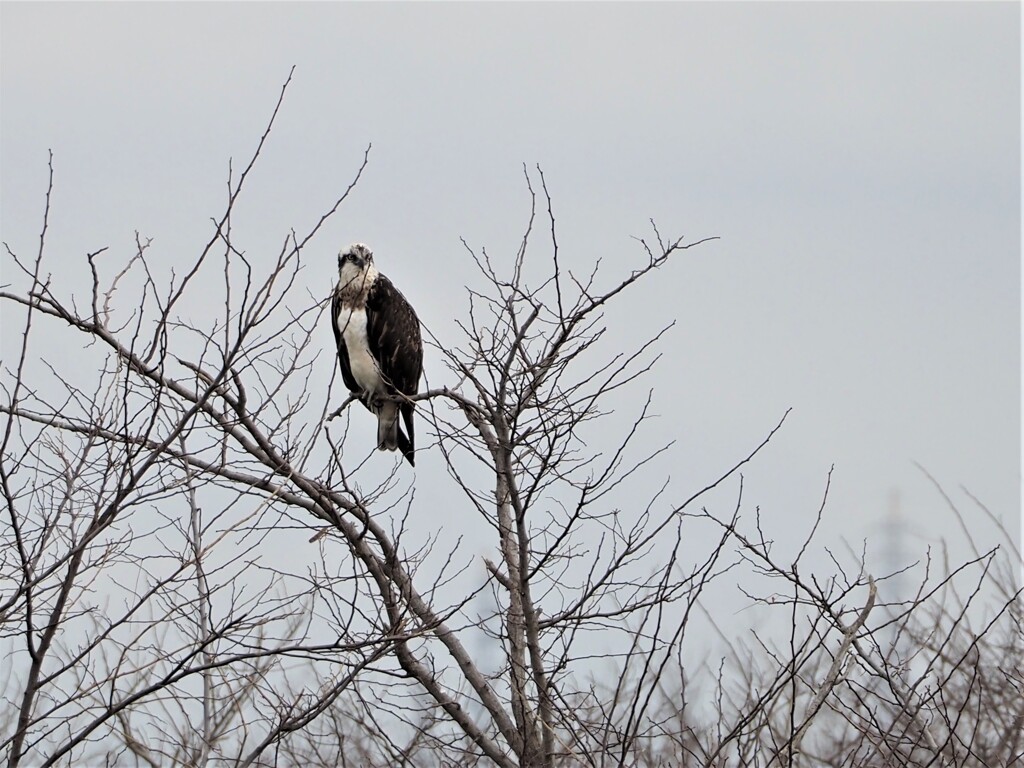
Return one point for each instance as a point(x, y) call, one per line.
point(354, 288)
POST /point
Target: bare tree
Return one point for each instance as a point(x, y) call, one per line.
point(150, 620)
point(137, 600)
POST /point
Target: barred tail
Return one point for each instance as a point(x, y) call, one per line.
point(390, 436)
point(387, 427)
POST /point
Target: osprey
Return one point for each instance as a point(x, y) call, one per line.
point(379, 346)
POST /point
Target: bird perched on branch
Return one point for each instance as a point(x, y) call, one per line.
point(379, 346)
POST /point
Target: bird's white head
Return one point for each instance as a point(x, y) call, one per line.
point(355, 266)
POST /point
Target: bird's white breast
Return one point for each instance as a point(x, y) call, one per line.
point(352, 324)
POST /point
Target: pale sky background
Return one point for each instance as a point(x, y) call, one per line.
point(860, 163)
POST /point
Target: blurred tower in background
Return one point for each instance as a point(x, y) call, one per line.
point(895, 556)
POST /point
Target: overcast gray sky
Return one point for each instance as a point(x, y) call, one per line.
point(860, 163)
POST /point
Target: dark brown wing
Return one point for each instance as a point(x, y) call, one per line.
point(346, 369)
point(393, 332)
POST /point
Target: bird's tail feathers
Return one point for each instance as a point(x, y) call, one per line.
point(387, 427)
point(407, 444)
point(390, 436)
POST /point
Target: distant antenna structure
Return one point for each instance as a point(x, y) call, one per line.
point(895, 556)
